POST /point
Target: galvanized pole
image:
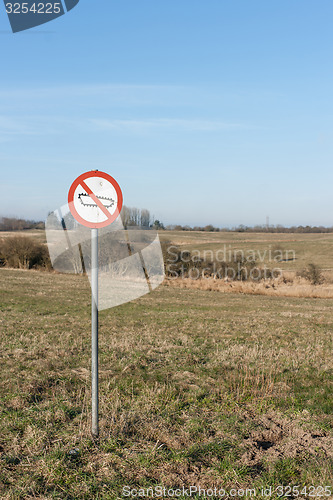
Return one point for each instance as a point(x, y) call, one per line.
point(94, 332)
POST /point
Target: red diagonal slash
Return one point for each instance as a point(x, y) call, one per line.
point(96, 200)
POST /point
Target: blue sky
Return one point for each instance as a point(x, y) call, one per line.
point(208, 111)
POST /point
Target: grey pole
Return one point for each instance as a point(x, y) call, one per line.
point(94, 332)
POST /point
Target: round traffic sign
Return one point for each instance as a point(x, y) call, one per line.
point(95, 199)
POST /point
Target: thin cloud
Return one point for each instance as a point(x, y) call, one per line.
point(11, 126)
point(108, 94)
point(165, 123)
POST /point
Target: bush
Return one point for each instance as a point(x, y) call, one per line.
point(312, 273)
point(22, 252)
point(182, 263)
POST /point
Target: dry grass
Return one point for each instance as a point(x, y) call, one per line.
point(37, 234)
point(196, 388)
point(288, 286)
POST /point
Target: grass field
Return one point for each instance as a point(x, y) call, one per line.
point(307, 247)
point(311, 247)
point(197, 388)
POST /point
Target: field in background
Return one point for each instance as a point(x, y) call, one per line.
point(38, 235)
point(197, 388)
point(308, 247)
point(296, 250)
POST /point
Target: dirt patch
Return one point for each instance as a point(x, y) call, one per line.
point(277, 438)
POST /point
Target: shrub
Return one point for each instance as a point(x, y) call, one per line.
point(312, 273)
point(23, 252)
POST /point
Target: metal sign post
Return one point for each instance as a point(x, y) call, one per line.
point(95, 200)
point(94, 332)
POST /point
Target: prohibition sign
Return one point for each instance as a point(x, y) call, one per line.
point(95, 199)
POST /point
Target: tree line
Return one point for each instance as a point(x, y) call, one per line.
point(132, 216)
point(15, 224)
point(253, 229)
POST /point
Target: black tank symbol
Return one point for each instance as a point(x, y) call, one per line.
point(87, 202)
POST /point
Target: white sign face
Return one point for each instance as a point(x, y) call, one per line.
point(95, 199)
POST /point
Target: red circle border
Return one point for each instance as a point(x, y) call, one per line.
point(87, 175)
